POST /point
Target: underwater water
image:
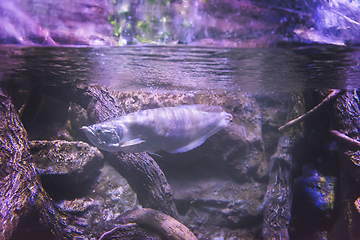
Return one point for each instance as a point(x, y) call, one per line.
point(221, 189)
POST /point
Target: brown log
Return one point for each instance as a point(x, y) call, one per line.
point(278, 197)
point(346, 121)
point(22, 197)
point(130, 231)
point(153, 220)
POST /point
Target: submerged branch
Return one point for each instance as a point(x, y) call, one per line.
point(155, 221)
point(120, 227)
point(345, 138)
point(310, 113)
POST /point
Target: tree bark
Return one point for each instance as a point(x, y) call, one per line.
point(278, 198)
point(22, 196)
point(154, 221)
point(346, 126)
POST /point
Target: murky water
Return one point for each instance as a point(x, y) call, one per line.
point(220, 187)
point(254, 71)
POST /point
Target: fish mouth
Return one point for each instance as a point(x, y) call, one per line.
point(84, 128)
point(90, 134)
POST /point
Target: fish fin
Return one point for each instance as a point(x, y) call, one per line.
point(204, 108)
point(201, 140)
point(190, 146)
point(155, 154)
point(132, 142)
point(114, 145)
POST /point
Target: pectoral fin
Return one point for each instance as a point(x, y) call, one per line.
point(114, 145)
point(132, 142)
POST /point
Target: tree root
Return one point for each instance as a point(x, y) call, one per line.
point(157, 222)
point(22, 197)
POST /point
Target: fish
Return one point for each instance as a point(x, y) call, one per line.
point(172, 129)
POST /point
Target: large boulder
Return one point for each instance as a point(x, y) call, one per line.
point(65, 166)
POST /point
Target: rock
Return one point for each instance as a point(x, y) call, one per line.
point(77, 117)
point(274, 111)
point(314, 199)
point(357, 204)
point(110, 196)
point(106, 197)
point(66, 163)
point(218, 202)
point(222, 233)
point(76, 205)
point(55, 23)
point(42, 120)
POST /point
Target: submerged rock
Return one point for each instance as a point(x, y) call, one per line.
point(320, 188)
point(314, 198)
point(65, 162)
point(76, 205)
point(110, 197)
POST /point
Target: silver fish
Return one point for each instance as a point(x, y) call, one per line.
point(173, 129)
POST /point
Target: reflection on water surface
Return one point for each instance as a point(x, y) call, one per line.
point(185, 68)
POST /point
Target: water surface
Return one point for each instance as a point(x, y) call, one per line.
point(166, 68)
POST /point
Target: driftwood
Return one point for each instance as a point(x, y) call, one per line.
point(23, 198)
point(278, 198)
point(277, 202)
point(130, 231)
point(346, 121)
point(163, 225)
point(139, 169)
point(312, 112)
